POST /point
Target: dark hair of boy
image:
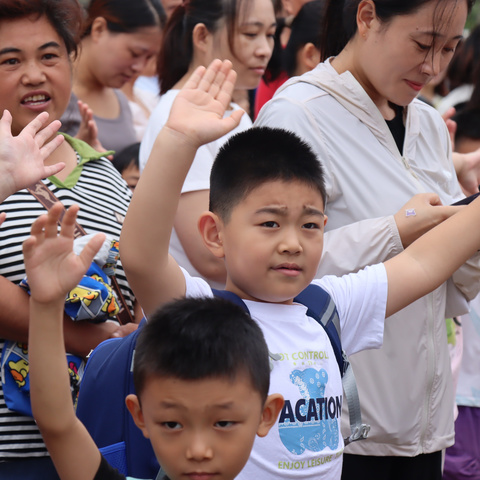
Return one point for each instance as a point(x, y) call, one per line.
point(126, 157)
point(304, 29)
point(256, 156)
point(200, 338)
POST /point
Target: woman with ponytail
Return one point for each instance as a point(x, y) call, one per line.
point(119, 38)
point(380, 147)
point(199, 31)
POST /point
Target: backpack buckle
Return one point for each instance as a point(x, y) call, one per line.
point(359, 433)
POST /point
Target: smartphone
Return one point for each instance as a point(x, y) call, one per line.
point(467, 200)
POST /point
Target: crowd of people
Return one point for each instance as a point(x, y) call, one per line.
point(174, 151)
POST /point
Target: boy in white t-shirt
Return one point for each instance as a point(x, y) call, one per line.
point(266, 221)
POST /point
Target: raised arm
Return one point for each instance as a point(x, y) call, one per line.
point(52, 270)
point(433, 258)
point(22, 157)
point(196, 118)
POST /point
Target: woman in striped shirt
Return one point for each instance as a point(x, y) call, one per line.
point(37, 40)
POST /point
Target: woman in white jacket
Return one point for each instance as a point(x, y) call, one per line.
point(380, 148)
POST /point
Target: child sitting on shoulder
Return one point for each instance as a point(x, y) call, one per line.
point(201, 372)
point(266, 221)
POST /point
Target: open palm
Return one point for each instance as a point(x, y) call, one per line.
point(22, 157)
point(52, 267)
point(197, 112)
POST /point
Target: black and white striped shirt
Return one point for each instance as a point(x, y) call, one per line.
point(103, 197)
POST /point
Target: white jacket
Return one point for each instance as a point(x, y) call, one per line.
point(405, 387)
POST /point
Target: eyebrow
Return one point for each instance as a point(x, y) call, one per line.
point(224, 406)
point(8, 50)
point(308, 210)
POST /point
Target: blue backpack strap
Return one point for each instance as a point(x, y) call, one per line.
point(101, 407)
point(321, 307)
point(233, 297)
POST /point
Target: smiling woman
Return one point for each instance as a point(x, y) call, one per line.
point(118, 40)
point(37, 38)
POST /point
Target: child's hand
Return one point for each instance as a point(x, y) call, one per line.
point(51, 266)
point(88, 130)
point(197, 112)
point(22, 157)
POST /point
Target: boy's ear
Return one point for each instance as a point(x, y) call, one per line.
point(271, 409)
point(133, 405)
point(209, 226)
point(201, 37)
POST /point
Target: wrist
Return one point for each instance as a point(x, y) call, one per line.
point(47, 309)
point(177, 139)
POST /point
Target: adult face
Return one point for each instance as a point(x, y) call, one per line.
point(393, 61)
point(116, 58)
point(252, 43)
point(35, 70)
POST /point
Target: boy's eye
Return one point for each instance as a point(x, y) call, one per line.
point(270, 224)
point(224, 424)
point(172, 425)
point(311, 226)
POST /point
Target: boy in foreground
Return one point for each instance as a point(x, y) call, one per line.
point(201, 372)
point(266, 221)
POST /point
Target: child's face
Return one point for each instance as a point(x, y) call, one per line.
point(200, 429)
point(131, 175)
point(273, 241)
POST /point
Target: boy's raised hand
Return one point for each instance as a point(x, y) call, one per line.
point(197, 112)
point(22, 157)
point(51, 266)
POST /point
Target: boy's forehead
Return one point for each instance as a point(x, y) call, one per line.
point(215, 392)
point(285, 192)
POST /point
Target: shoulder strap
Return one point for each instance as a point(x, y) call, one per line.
point(47, 198)
point(321, 307)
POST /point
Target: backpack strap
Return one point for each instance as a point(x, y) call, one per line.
point(321, 307)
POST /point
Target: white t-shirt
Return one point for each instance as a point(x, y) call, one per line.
point(198, 177)
point(306, 441)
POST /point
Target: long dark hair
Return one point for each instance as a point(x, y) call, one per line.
point(125, 16)
point(340, 19)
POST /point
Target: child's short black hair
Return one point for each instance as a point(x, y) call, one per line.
point(200, 338)
point(126, 157)
point(256, 156)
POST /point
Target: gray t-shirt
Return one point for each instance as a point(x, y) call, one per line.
point(113, 133)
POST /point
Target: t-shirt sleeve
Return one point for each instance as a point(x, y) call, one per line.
point(107, 472)
point(196, 286)
point(361, 300)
